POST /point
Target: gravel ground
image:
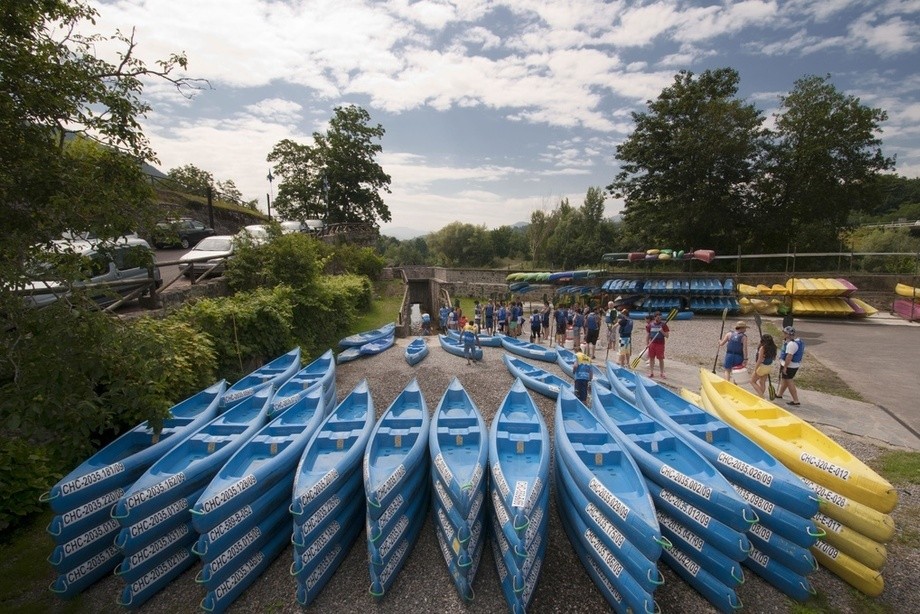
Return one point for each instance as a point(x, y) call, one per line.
point(424, 584)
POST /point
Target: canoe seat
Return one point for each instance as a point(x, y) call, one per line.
point(518, 427)
point(645, 427)
point(285, 430)
point(408, 434)
point(588, 452)
point(222, 429)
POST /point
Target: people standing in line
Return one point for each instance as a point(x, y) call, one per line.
point(582, 373)
point(657, 333)
point(736, 348)
point(502, 317)
point(610, 319)
point(578, 321)
point(766, 354)
point(625, 326)
point(536, 326)
point(470, 343)
point(790, 359)
point(426, 323)
point(562, 323)
point(592, 330)
point(490, 317)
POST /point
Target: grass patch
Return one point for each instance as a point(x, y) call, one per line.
point(899, 466)
point(816, 605)
point(908, 526)
point(25, 572)
point(384, 309)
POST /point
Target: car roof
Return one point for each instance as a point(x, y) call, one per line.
point(85, 246)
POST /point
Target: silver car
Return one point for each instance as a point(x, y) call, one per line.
point(210, 254)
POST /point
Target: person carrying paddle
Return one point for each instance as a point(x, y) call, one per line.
point(790, 357)
point(736, 349)
point(657, 332)
point(582, 372)
point(766, 354)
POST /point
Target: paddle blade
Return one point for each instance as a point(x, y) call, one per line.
point(635, 362)
point(772, 390)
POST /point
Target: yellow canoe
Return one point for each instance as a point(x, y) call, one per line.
point(747, 290)
point(868, 310)
point(908, 291)
point(852, 543)
point(798, 445)
point(872, 523)
point(693, 397)
point(848, 569)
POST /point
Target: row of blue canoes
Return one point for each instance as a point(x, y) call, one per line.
point(695, 286)
point(519, 563)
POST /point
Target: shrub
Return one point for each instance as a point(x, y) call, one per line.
point(26, 471)
point(292, 259)
point(355, 260)
point(326, 311)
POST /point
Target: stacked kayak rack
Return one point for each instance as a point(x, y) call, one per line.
point(817, 296)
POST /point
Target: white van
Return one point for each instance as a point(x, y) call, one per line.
point(112, 270)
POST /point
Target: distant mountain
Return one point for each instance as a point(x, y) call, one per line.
point(402, 233)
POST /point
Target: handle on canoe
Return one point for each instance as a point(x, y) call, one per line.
point(46, 496)
point(811, 589)
point(656, 609)
point(292, 572)
point(118, 516)
point(735, 601)
point(821, 533)
point(664, 542)
point(657, 579)
point(197, 512)
point(120, 601)
point(195, 549)
point(737, 579)
point(208, 607)
point(754, 521)
point(370, 589)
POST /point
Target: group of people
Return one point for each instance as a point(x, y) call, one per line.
point(789, 356)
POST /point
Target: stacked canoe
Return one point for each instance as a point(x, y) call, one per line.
point(605, 508)
point(854, 501)
point(458, 444)
point(783, 503)
point(519, 455)
point(698, 510)
point(367, 343)
point(157, 534)
point(908, 304)
point(241, 517)
point(396, 485)
point(819, 296)
point(82, 528)
point(328, 505)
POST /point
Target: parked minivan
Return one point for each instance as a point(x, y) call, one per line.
point(110, 271)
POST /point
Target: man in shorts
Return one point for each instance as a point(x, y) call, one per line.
point(657, 332)
point(790, 359)
point(625, 326)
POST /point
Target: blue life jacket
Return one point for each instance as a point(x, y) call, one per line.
point(593, 321)
point(626, 327)
point(578, 321)
point(736, 344)
point(797, 357)
point(536, 321)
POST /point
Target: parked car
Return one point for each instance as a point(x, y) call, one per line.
point(291, 227)
point(183, 232)
point(209, 252)
point(257, 233)
point(109, 271)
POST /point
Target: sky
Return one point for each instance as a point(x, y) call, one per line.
point(494, 109)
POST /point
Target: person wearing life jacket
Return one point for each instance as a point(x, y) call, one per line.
point(582, 373)
point(736, 349)
point(470, 342)
point(625, 326)
point(790, 359)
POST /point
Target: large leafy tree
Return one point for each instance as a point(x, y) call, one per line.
point(337, 178)
point(688, 169)
point(825, 164)
point(191, 179)
point(53, 88)
point(461, 245)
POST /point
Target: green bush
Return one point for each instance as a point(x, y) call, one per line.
point(246, 329)
point(293, 260)
point(323, 314)
point(26, 471)
point(355, 260)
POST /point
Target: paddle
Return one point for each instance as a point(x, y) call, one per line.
point(721, 332)
point(635, 361)
point(772, 390)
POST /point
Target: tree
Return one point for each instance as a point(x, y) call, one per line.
point(192, 179)
point(825, 164)
point(689, 166)
point(461, 245)
point(337, 178)
point(53, 89)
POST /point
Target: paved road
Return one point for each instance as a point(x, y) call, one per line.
point(879, 357)
point(166, 255)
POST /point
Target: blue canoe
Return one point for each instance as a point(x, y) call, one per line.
point(406, 533)
point(722, 597)
point(490, 341)
point(667, 459)
point(348, 354)
point(622, 381)
point(519, 455)
point(528, 350)
point(398, 449)
point(546, 383)
point(269, 456)
point(319, 372)
point(455, 347)
point(416, 351)
point(335, 451)
point(359, 339)
point(192, 464)
point(372, 348)
point(731, 452)
point(247, 573)
point(608, 476)
point(271, 375)
point(119, 464)
point(565, 358)
point(724, 568)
